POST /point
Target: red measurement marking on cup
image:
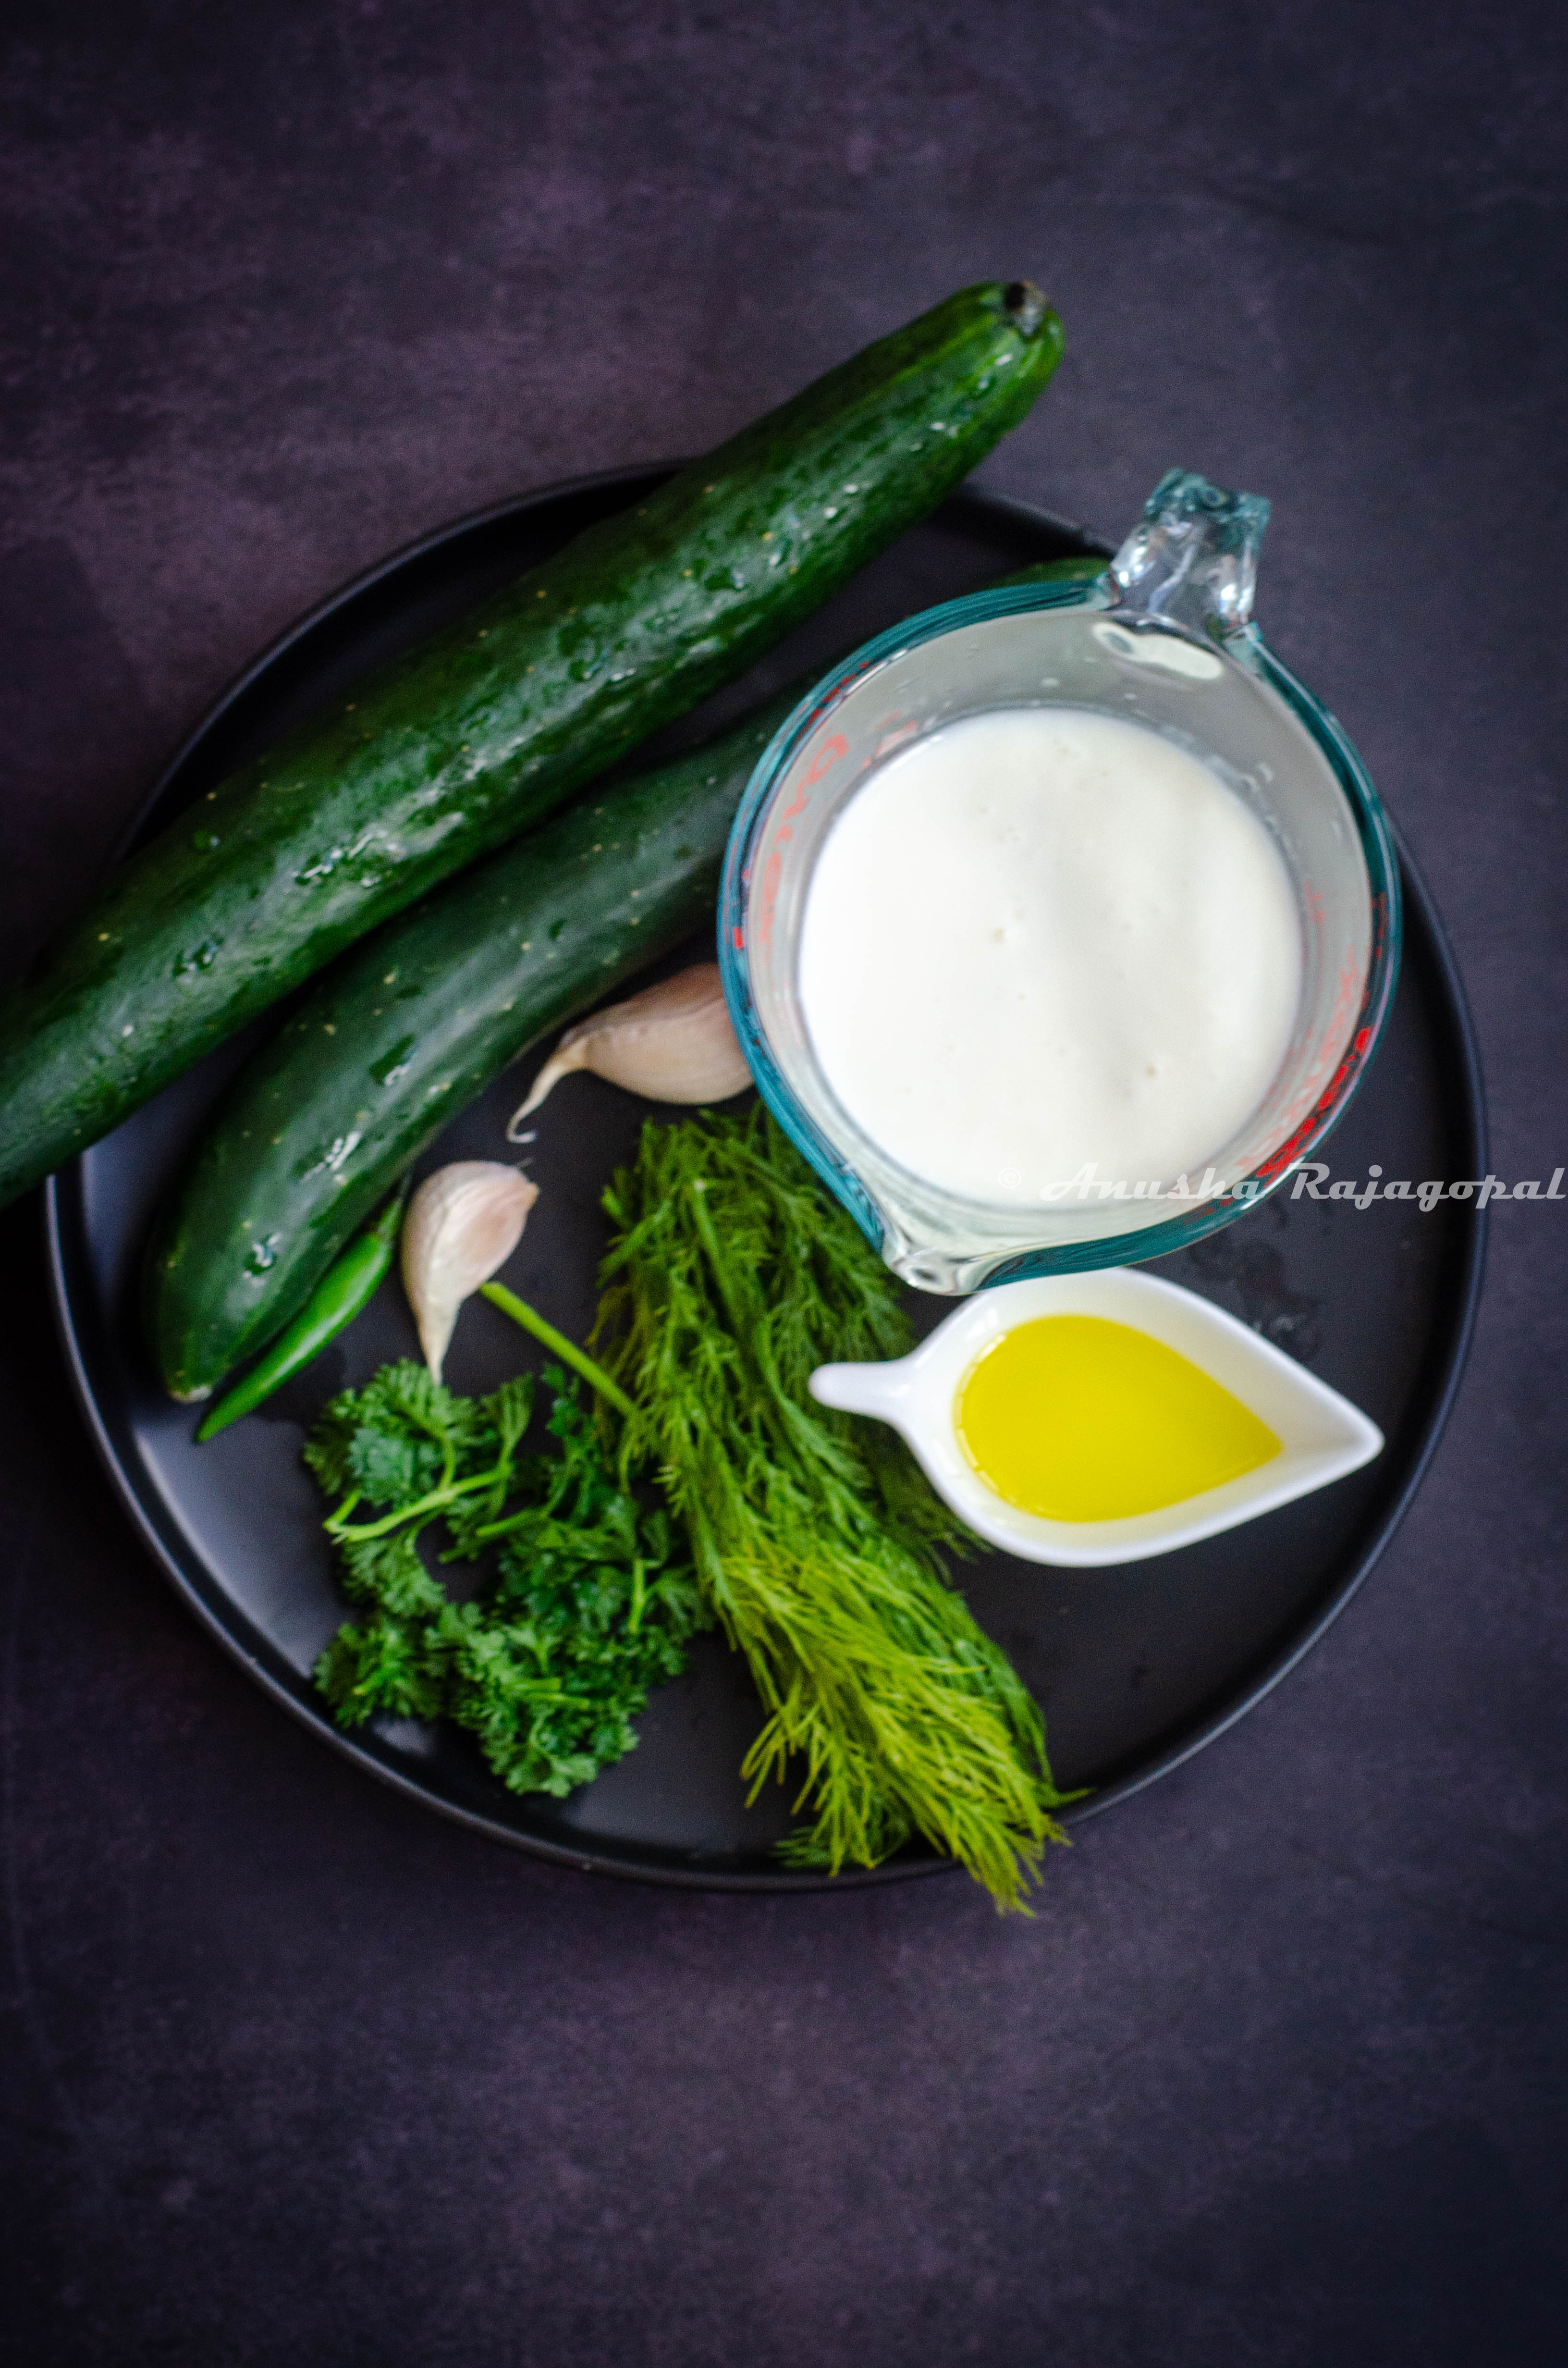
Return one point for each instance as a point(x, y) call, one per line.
point(828, 753)
point(831, 751)
point(894, 736)
point(1351, 1059)
point(771, 871)
point(786, 819)
point(1292, 1150)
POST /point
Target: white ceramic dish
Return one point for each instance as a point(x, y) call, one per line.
point(1322, 1435)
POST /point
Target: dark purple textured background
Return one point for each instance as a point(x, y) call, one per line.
point(295, 2072)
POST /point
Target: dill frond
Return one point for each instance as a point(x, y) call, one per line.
point(816, 1537)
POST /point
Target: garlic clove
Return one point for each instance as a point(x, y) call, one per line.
point(463, 1222)
point(672, 1043)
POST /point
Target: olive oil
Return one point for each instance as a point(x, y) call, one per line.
point(1081, 1419)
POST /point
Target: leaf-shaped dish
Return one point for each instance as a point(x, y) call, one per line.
point(1321, 1436)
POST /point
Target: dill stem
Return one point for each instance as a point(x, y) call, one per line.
point(532, 1321)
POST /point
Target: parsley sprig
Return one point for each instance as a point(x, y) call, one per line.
point(578, 1600)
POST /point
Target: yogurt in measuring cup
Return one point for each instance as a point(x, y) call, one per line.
point(1062, 882)
point(1041, 944)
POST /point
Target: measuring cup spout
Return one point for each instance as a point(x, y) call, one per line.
point(1192, 558)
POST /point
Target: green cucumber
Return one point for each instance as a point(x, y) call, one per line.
point(389, 1046)
point(1083, 567)
point(445, 754)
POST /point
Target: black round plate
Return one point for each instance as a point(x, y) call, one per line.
point(1136, 1667)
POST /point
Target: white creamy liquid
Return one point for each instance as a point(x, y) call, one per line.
point(1042, 938)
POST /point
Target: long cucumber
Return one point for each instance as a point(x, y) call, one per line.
point(394, 1038)
point(390, 1043)
point(445, 754)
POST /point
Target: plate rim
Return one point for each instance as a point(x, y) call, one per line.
point(1426, 942)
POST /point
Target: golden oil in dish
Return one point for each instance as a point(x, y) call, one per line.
point(1077, 1419)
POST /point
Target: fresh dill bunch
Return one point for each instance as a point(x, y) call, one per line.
point(582, 1603)
point(730, 1278)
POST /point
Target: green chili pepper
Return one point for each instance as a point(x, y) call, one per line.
point(346, 1287)
point(531, 1321)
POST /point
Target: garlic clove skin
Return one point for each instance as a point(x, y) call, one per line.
point(672, 1043)
point(463, 1222)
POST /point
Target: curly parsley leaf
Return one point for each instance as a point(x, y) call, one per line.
point(579, 1606)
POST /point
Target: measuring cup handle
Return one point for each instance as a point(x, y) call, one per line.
point(1192, 558)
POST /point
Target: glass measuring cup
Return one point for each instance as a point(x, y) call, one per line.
point(1164, 638)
